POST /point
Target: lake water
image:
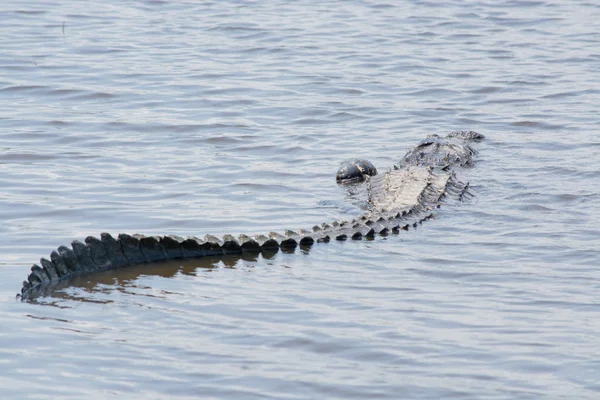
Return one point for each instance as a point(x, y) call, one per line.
point(187, 118)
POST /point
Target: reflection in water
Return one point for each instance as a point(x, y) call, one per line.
point(124, 279)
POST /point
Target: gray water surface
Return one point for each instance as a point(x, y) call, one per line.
point(222, 117)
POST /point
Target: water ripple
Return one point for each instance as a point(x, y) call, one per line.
point(225, 117)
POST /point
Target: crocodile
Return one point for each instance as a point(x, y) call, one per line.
point(397, 199)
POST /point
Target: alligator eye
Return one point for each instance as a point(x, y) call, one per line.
point(354, 170)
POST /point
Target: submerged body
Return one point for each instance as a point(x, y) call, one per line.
point(398, 198)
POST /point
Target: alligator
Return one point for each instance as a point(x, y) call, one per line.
point(402, 197)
